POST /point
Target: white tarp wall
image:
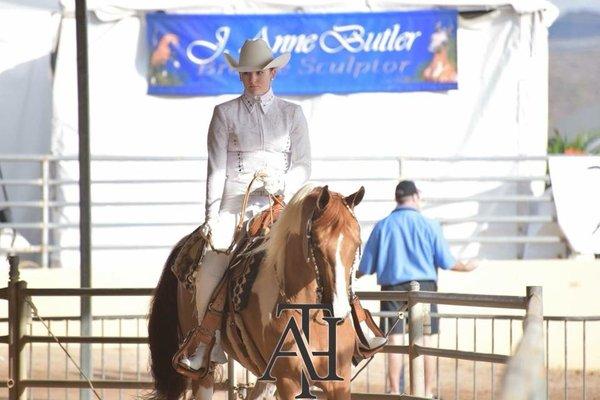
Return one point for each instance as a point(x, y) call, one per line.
point(27, 37)
point(576, 190)
point(500, 109)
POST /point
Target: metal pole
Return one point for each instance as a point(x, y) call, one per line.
point(400, 169)
point(231, 381)
point(535, 318)
point(584, 389)
point(4, 212)
point(45, 211)
point(415, 338)
point(85, 238)
point(17, 328)
point(525, 376)
point(566, 372)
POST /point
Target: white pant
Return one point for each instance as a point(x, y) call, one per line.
point(214, 264)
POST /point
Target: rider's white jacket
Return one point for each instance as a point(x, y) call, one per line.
point(250, 134)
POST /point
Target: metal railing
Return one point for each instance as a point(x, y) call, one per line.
point(18, 296)
point(120, 367)
point(416, 350)
point(465, 380)
point(365, 170)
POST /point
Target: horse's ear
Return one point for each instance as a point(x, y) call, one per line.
point(355, 198)
point(323, 199)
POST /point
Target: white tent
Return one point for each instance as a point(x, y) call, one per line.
point(500, 108)
point(28, 33)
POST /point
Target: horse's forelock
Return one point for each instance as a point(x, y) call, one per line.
point(335, 220)
point(338, 219)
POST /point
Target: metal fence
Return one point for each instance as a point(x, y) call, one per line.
point(374, 172)
point(120, 352)
point(458, 380)
point(28, 347)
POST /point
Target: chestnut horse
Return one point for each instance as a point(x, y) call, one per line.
point(309, 258)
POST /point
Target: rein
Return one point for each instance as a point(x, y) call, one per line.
point(272, 200)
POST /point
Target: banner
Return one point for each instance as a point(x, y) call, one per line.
point(331, 53)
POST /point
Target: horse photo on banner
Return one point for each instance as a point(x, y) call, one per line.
point(331, 53)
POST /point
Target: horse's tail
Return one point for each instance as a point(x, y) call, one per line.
point(163, 335)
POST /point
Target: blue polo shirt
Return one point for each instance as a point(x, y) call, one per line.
point(405, 246)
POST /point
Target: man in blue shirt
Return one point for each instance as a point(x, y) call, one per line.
point(403, 247)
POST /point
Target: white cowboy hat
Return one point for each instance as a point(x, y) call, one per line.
point(256, 55)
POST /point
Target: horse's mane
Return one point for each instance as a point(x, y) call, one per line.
point(290, 222)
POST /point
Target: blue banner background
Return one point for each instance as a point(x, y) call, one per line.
point(331, 53)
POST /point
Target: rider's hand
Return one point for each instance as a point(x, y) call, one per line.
point(207, 227)
point(273, 182)
point(472, 264)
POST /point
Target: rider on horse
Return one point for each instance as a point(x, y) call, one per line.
point(256, 135)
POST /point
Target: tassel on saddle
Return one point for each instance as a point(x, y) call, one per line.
point(193, 248)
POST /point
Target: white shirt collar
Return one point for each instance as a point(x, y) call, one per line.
point(264, 100)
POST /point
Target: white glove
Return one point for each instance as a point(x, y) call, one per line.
point(273, 182)
point(206, 228)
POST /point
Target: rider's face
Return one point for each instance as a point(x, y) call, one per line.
point(257, 82)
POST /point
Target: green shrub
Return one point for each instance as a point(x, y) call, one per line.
point(584, 143)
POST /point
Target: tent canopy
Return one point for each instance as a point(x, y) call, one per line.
point(500, 108)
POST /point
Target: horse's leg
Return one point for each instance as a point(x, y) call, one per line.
point(195, 386)
point(204, 388)
point(262, 391)
point(341, 391)
point(287, 388)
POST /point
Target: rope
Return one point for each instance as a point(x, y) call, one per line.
point(398, 318)
point(35, 312)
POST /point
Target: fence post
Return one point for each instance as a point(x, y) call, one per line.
point(45, 212)
point(16, 329)
point(535, 321)
point(400, 167)
point(231, 381)
point(524, 378)
point(415, 337)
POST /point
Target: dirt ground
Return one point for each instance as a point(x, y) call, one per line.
point(456, 379)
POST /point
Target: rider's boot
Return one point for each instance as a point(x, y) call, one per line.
point(370, 339)
point(208, 276)
point(372, 342)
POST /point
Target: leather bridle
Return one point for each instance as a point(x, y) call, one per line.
point(309, 249)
